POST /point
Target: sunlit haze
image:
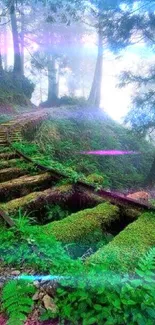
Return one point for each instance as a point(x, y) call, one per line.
point(116, 102)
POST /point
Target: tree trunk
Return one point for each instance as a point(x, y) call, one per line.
point(5, 42)
point(95, 93)
point(17, 69)
point(150, 179)
point(52, 82)
point(22, 38)
point(1, 65)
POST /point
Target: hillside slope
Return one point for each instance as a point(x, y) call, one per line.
point(66, 132)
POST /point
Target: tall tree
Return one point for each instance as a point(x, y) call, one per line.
point(141, 116)
point(17, 69)
point(109, 21)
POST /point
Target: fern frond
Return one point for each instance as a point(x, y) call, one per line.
point(146, 265)
point(16, 301)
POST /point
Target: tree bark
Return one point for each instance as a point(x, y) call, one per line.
point(17, 69)
point(1, 64)
point(5, 39)
point(95, 93)
point(52, 81)
point(22, 38)
point(150, 179)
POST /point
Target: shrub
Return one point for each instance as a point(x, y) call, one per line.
point(67, 100)
point(15, 90)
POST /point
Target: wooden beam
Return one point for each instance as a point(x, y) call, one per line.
point(5, 217)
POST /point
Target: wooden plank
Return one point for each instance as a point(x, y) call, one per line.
point(8, 220)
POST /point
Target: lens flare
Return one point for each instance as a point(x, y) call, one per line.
point(109, 152)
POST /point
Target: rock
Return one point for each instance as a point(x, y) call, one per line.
point(36, 284)
point(36, 296)
point(41, 295)
point(15, 272)
point(49, 303)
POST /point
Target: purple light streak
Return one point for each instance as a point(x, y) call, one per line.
point(109, 152)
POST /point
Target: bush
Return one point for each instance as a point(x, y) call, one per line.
point(14, 90)
point(67, 100)
point(98, 180)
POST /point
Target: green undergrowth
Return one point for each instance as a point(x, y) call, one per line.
point(28, 166)
point(55, 212)
point(44, 252)
point(5, 149)
point(60, 141)
point(27, 245)
point(90, 296)
point(87, 293)
point(32, 151)
point(100, 297)
point(123, 252)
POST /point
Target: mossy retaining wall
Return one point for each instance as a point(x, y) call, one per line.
point(77, 226)
point(124, 251)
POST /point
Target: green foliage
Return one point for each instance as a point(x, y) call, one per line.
point(17, 301)
point(98, 180)
point(5, 149)
point(14, 90)
point(67, 100)
point(30, 246)
point(92, 244)
point(55, 212)
point(32, 151)
point(107, 298)
point(60, 142)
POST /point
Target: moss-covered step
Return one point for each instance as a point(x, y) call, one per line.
point(123, 252)
point(10, 173)
point(8, 155)
point(4, 149)
point(77, 226)
point(10, 163)
point(3, 142)
point(37, 200)
point(24, 185)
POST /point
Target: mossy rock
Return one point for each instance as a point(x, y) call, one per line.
point(124, 251)
point(78, 226)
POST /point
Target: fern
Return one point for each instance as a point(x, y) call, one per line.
point(16, 301)
point(146, 265)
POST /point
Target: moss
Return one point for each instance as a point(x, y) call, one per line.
point(10, 173)
point(124, 251)
point(24, 185)
point(79, 225)
point(36, 199)
point(95, 178)
point(8, 155)
point(9, 163)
